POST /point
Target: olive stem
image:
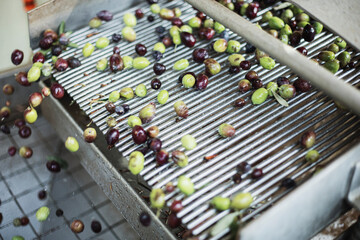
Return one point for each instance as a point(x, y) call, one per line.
point(158, 213)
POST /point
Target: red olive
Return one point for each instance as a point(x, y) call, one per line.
point(200, 54)
point(139, 135)
point(17, 57)
point(201, 81)
point(188, 39)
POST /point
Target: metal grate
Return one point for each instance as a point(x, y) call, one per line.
point(267, 135)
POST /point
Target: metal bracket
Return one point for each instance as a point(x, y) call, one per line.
point(353, 196)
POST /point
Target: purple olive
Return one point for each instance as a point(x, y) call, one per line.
point(38, 57)
point(302, 85)
point(140, 49)
point(240, 102)
point(159, 68)
point(45, 43)
point(139, 135)
point(112, 136)
point(308, 33)
point(74, 62)
point(162, 157)
point(252, 10)
point(251, 75)
point(201, 81)
point(188, 39)
point(116, 63)
point(105, 15)
point(17, 57)
point(154, 144)
point(177, 22)
point(282, 80)
point(200, 54)
point(295, 38)
point(302, 50)
point(56, 50)
point(61, 64)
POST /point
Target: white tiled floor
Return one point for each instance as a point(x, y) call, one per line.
point(72, 190)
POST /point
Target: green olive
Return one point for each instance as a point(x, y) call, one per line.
point(284, 38)
point(302, 24)
point(218, 27)
point(296, 10)
point(129, 34)
point(176, 40)
point(333, 48)
point(226, 130)
point(167, 14)
point(129, 19)
point(140, 62)
point(181, 64)
point(17, 238)
point(159, 47)
point(157, 198)
point(195, 22)
point(155, 8)
point(33, 74)
point(259, 54)
point(220, 45)
point(46, 69)
point(243, 9)
point(273, 33)
point(186, 28)
point(233, 46)
point(114, 96)
point(140, 90)
point(30, 115)
point(241, 201)
point(267, 63)
point(302, 17)
point(286, 30)
point(185, 185)
point(38, 64)
point(127, 93)
point(188, 80)
point(72, 144)
point(136, 162)
point(208, 23)
point(180, 158)
point(95, 22)
point(266, 16)
point(147, 113)
point(163, 96)
point(134, 121)
point(318, 27)
point(111, 121)
point(128, 62)
point(88, 49)
point(287, 15)
point(332, 65)
point(287, 91)
point(326, 56)
point(177, 12)
point(212, 66)
point(102, 42)
point(271, 87)
point(101, 64)
point(344, 58)
point(42, 214)
point(188, 142)
point(221, 203)
point(312, 156)
point(235, 59)
point(276, 23)
point(54, 59)
point(174, 31)
point(259, 96)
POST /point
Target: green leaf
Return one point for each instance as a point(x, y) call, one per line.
point(73, 45)
point(61, 27)
point(63, 163)
point(224, 223)
point(280, 100)
point(282, 6)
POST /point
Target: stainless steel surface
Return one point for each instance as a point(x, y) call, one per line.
point(353, 195)
point(121, 189)
point(267, 135)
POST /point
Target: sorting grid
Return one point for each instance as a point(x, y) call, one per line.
point(71, 190)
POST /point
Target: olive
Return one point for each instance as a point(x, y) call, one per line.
point(241, 201)
point(206, 33)
point(116, 63)
point(201, 81)
point(244, 85)
point(59, 212)
point(19, 123)
point(234, 69)
point(201, 15)
point(245, 65)
point(73, 62)
point(181, 64)
point(8, 89)
point(257, 173)
point(112, 136)
point(111, 121)
point(276, 23)
point(46, 91)
point(24, 220)
point(110, 107)
point(292, 24)
point(240, 102)
point(25, 152)
point(220, 45)
point(312, 156)
point(153, 131)
point(259, 96)
point(21, 78)
point(77, 226)
point(163, 95)
point(267, 63)
point(188, 80)
point(167, 41)
point(24, 131)
point(295, 38)
point(181, 109)
point(150, 18)
point(105, 15)
point(188, 39)
point(251, 75)
point(173, 221)
point(89, 135)
point(176, 206)
point(167, 14)
point(288, 183)
point(302, 50)
point(126, 107)
point(226, 130)
point(147, 113)
point(221, 203)
point(340, 42)
point(139, 135)
point(162, 157)
point(139, 13)
point(133, 121)
point(57, 91)
point(249, 48)
point(51, 33)
point(102, 42)
point(252, 10)
point(42, 214)
point(129, 34)
point(5, 129)
point(46, 42)
point(136, 162)
point(11, 151)
point(308, 139)
point(243, 167)
point(53, 166)
point(237, 178)
point(200, 54)
point(56, 50)
point(157, 55)
point(302, 85)
point(33, 74)
point(72, 144)
point(257, 83)
point(185, 185)
point(155, 83)
point(177, 22)
point(154, 144)
point(145, 219)
point(308, 33)
point(17, 57)
point(61, 64)
point(116, 37)
point(282, 80)
point(157, 198)
point(38, 57)
point(159, 69)
point(188, 142)
point(88, 49)
point(212, 67)
point(287, 91)
point(140, 49)
point(140, 62)
point(96, 226)
point(5, 112)
point(169, 187)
